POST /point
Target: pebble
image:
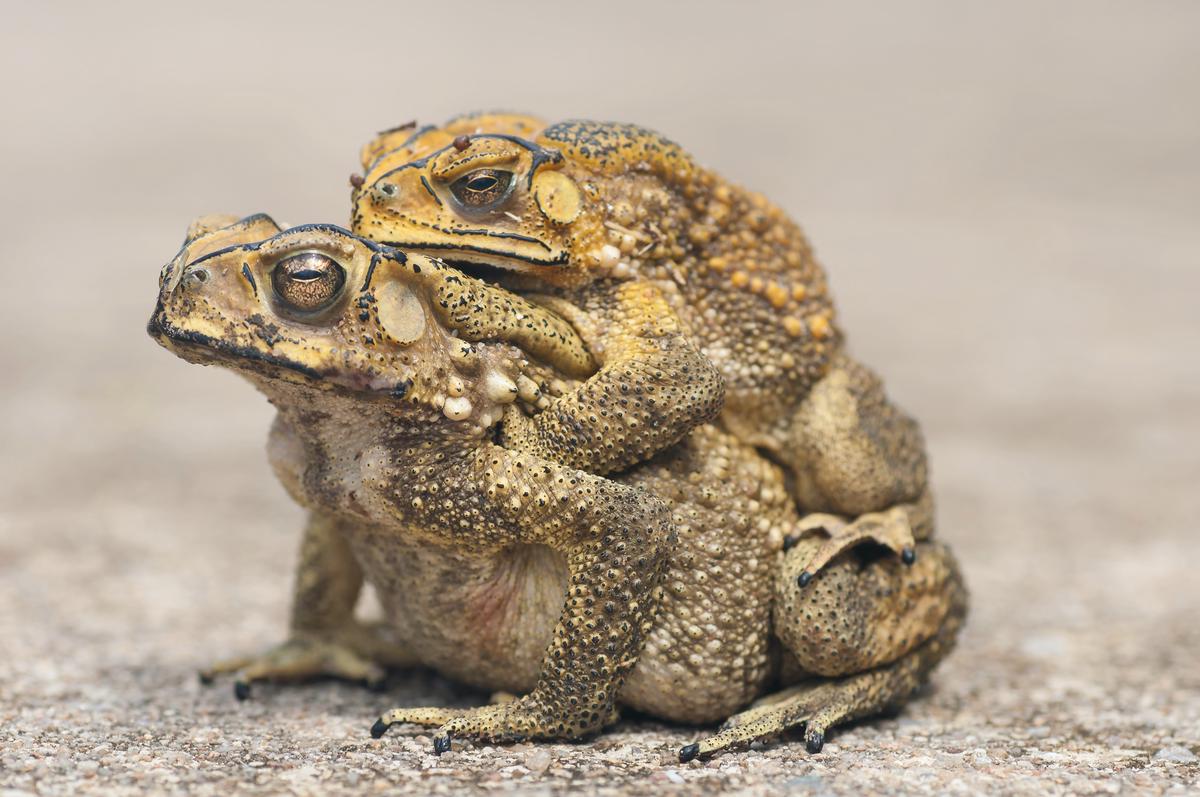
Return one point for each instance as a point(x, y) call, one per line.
point(1176, 754)
point(539, 760)
point(980, 758)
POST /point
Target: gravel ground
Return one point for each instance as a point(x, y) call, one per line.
point(1007, 205)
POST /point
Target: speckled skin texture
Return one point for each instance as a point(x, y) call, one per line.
point(384, 419)
point(673, 573)
point(617, 216)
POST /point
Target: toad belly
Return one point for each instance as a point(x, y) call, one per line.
point(485, 620)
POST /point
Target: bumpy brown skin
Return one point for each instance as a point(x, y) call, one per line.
point(658, 589)
point(385, 424)
point(616, 216)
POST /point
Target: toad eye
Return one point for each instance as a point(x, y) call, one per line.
point(482, 189)
point(308, 282)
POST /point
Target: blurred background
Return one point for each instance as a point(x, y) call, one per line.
point(1006, 197)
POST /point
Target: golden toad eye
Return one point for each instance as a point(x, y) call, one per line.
point(308, 282)
point(482, 189)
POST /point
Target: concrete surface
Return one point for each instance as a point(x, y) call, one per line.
point(1006, 197)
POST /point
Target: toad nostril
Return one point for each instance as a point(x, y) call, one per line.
point(388, 189)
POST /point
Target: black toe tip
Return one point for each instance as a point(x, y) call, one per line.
point(379, 728)
point(206, 679)
point(789, 542)
point(908, 556)
point(688, 752)
point(241, 690)
point(441, 744)
point(814, 743)
point(804, 579)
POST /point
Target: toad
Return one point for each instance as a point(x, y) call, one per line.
point(671, 588)
point(616, 220)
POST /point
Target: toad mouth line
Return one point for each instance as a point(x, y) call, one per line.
point(434, 248)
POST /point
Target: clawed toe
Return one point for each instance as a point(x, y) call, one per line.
point(809, 709)
point(890, 529)
point(298, 659)
point(515, 721)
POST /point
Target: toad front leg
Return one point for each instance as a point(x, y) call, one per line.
point(615, 540)
point(324, 639)
point(653, 386)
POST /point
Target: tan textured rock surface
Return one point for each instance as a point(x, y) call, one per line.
point(1006, 203)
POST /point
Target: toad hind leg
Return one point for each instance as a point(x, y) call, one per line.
point(855, 454)
point(821, 704)
point(871, 627)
